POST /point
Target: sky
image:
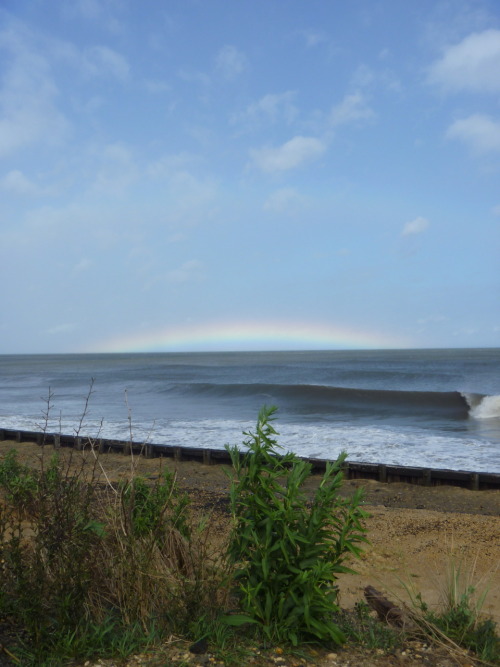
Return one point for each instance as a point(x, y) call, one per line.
point(211, 175)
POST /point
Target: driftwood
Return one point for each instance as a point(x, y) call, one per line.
point(387, 611)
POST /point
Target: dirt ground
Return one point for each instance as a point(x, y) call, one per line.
point(414, 532)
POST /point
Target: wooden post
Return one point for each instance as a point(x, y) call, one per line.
point(427, 477)
point(178, 453)
point(57, 441)
point(382, 473)
point(207, 457)
point(474, 482)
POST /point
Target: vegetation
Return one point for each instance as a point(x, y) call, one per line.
point(288, 554)
point(86, 568)
point(459, 620)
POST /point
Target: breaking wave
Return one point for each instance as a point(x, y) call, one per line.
point(483, 407)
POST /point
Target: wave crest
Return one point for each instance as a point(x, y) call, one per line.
point(484, 407)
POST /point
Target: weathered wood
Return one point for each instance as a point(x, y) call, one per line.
point(352, 470)
point(387, 611)
point(474, 483)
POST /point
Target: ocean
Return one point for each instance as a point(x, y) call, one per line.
point(432, 408)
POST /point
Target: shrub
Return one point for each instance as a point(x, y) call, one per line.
point(289, 553)
point(88, 569)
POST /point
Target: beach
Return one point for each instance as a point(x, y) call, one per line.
point(415, 532)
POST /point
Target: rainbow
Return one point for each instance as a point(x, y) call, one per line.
point(248, 335)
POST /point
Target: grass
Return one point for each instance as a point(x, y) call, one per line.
point(362, 628)
point(458, 621)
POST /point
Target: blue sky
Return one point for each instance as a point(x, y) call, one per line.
point(207, 174)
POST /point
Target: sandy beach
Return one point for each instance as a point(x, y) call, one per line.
point(414, 531)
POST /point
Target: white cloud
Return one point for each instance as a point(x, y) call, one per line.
point(416, 226)
point(353, 107)
point(156, 87)
point(101, 11)
point(273, 106)
point(472, 65)
point(102, 61)
point(291, 154)
point(480, 132)
point(28, 112)
point(365, 77)
point(88, 9)
point(189, 271)
point(16, 183)
point(191, 200)
point(117, 170)
point(60, 329)
point(169, 165)
point(313, 37)
point(83, 265)
point(230, 62)
point(282, 200)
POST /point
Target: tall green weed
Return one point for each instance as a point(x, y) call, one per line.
point(289, 552)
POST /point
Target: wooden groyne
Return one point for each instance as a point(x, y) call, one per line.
point(380, 472)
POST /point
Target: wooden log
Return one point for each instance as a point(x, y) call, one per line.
point(387, 611)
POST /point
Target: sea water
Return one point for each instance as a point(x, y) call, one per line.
point(433, 408)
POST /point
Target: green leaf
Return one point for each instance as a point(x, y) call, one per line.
point(237, 619)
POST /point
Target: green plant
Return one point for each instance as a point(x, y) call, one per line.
point(19, 481)
point(360, 626)
point(460, 617)
point(224, 642)
point(155, 508)
point(48, 559)
point(289, 553)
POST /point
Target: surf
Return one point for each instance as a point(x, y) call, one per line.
point(483, 407)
